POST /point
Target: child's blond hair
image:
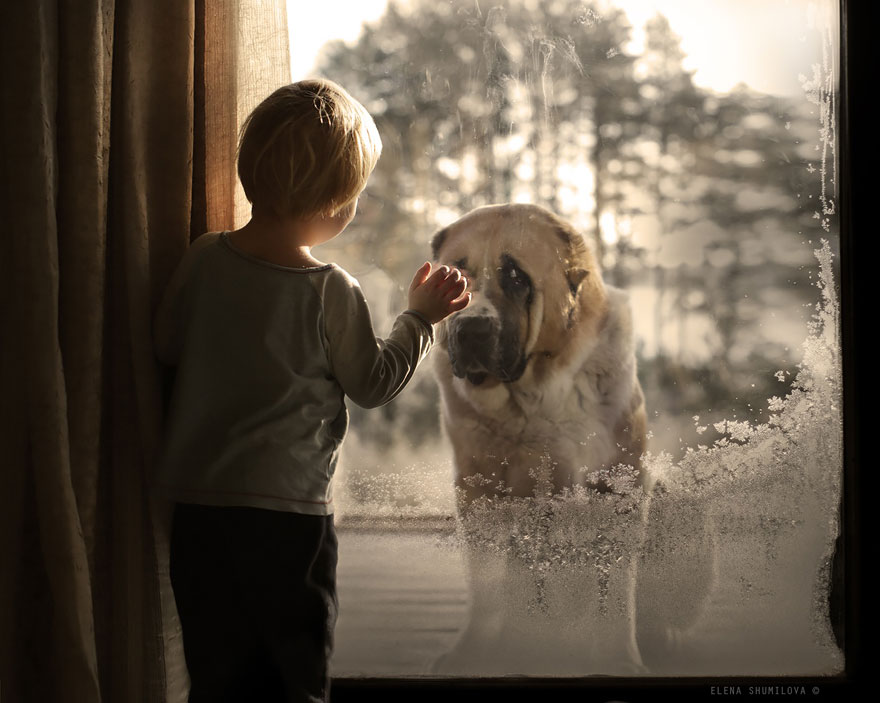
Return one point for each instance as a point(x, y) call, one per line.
point(307, 150)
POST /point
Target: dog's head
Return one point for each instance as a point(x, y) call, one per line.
point(534, 280)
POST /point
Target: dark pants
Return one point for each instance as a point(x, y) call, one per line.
point(256, 594)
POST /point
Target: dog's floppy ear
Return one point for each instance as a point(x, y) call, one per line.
point(577, 249)
point(437, 241)
point(575, 276)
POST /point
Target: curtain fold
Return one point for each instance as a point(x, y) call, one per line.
point(247, 56)
point(50, 616)
point(110, 156)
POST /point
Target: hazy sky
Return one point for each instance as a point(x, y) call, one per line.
point(764, 43)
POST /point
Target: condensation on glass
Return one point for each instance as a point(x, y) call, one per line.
point(715, 207)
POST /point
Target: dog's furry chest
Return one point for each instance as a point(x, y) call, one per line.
point(566, 422)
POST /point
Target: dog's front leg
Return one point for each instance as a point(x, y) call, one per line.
point(475, 653)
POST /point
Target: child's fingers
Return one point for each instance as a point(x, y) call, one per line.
point(441, 273)
point(421, 276)
point(454, 288)
point(453, 279)
point(459, 303)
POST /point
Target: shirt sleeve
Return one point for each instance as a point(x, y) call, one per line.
point(168, 322)
point(371, 371)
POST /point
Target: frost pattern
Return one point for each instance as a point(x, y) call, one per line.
point(820, 91)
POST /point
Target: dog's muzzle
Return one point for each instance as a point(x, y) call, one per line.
point(479, 348)
point(473, 343)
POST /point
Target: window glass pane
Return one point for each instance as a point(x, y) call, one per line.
point(694, 147)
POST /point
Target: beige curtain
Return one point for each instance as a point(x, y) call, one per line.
point(246, 56)
point(117, 146)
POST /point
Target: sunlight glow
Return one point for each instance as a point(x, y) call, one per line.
point(762, 43)
point(312, 24)
point(608, 227)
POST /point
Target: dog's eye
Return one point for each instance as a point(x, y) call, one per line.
point(512, 278)
point(460, 264)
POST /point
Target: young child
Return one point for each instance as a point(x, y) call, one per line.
point(268, 341)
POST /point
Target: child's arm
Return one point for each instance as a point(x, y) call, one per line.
point(167, 323)
point(373, 371)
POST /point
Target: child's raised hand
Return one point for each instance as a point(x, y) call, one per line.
point(438, 294)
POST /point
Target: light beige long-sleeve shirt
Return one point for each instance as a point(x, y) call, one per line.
point(265, 356)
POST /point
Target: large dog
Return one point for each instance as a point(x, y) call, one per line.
point(542, 360)
point(539, 370)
